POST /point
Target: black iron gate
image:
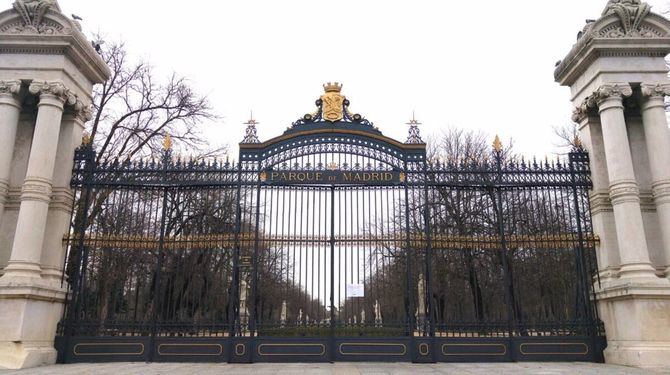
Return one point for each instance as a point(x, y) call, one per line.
point(331, 242)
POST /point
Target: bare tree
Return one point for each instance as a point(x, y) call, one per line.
point(567, 137)
point(134, 109)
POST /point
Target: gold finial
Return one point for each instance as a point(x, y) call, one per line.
point(167, 142)
point(85, 139)
point(577, 142)
point(497, 145)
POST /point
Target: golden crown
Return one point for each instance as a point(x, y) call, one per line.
point(332, 87)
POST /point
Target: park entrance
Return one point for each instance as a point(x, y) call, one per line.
point(331, 242)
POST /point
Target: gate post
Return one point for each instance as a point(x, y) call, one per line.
point(47, 59)
point(618, 76)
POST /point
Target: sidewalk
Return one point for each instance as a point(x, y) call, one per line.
point(336, 369)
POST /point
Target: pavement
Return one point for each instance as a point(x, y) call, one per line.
point(335, 369)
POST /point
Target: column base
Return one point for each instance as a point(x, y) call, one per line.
point(638, 271)
point(17, 356)
point(638, 354)
point(21, 270)
point(636, 313)
point(29, 314)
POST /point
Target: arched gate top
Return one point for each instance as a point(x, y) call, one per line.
point(332, 124)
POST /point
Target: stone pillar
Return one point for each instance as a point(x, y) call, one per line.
point(26, 253)
point(591, 136)
point(624, 190)
point(10, 109)
point(657, 136)
point(60, 209)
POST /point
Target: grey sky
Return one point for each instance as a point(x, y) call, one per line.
point(474, 64)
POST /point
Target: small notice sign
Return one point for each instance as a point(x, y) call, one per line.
point(355, 290)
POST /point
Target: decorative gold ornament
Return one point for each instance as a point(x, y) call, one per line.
point(167, 142)
point(85, 139)
point(333, 102)
point(402, 177)
point(263, 176)
point(333, 166)
point(497, 145)
point(577, 142)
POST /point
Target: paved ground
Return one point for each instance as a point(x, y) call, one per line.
point(336, 369)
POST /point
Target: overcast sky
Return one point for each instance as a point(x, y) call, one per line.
point(484, 64)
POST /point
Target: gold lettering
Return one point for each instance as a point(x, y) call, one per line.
point(375, 177)
point(346, 176)
point(301, 176)
point(275, 175)
point(291, 176)
point(319, 176)
point(388, 176)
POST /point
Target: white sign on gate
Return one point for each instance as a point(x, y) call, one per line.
point(355, 290)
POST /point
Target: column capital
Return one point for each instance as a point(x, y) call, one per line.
point(53, 89)
point(10, 87)
point(609, 91)
point(655, 90)
point(9, 93)
point(580, 113)
point(82, 112)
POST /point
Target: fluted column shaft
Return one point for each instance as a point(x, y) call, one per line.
point(36, 191)
point(624, 190)
point(10, 109)
point(60, 209)
point(657, 137)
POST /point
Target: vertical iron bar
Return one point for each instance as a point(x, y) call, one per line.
point(332, 273)
point(234, 286)
point(82, 253)
point(586, 284)
point(511, 319)
point(159, 260)
point(429, 257)
point(254, 276)
point(409, 320)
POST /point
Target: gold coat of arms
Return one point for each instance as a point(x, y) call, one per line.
point(333, 102)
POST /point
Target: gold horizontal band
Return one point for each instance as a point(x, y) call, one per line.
point(417, 240)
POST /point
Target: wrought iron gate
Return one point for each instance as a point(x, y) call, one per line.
point(331, 242)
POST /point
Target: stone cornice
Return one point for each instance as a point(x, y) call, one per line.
point(58, 35)
point(53, 88)
point(606, 37)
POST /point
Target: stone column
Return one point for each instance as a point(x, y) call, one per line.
point(607, 250)
point(60, 209)
point(10, 109)
point(36, 191)
point(624, 190)
point(657, 136)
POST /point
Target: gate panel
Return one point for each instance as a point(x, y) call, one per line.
point(331, 242)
